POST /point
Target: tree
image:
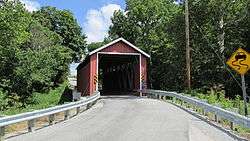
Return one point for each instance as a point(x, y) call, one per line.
point(32, 56)
point(14, 20)
point(64, 24)
point(149, 25)
point(42, 45)
point(95, 45)
point(217, 29)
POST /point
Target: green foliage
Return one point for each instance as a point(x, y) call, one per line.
point(237, 101)
point(41, 37)
point(64, 24)
point(14, 20)
point(41, 69)
point(158, 27)
point(150, 25)
point(3, 101)
point(34, 57)
point(207, 35)
point(95, 45)
point(211, 99)
point(218, 98)
point(39, 101)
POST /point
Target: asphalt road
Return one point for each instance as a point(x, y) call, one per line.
point(129, 118)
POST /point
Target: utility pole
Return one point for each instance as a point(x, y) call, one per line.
point(188, 59)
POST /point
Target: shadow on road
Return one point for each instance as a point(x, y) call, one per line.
point(120, 97)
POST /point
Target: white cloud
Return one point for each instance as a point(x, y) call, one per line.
point(31, 5)
point(98, 22)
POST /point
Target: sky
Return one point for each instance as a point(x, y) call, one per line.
point(92, 15)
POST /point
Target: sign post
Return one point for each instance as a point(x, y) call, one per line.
point(244, 94)
point(240, 62)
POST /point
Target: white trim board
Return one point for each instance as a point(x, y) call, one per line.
point(118, 53)
point(117, 40)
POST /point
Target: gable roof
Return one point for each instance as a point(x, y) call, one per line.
point(117, 40)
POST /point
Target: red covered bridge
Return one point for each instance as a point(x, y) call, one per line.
point(115, 67)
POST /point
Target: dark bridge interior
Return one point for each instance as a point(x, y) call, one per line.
point(118, 74)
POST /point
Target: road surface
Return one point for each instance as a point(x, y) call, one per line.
point(129, 118)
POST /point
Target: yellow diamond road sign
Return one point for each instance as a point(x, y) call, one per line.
point(240, 61)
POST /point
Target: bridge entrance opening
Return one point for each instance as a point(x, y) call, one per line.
point(116, 68)
point(119, 74)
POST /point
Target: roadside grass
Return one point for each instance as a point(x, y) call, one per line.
point(219, 99)
point(41, 101)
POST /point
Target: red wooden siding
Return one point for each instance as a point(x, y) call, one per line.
point(93, 61)
point(86, 74)
point(83, 78)
point(144, 71)
point(119, 47)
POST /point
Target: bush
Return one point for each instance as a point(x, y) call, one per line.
point(34, 57)
point(211, 98)
point(3, 100)
point(218, 98)
point(38, 101)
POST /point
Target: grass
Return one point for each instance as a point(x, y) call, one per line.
point(219, 99)
point(41, 101)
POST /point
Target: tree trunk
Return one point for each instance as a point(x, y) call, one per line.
point(222, 36)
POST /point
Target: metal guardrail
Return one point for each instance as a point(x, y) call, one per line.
point(32, 116)
point(234, 118)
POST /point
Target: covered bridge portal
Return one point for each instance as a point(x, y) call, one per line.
point(116, 67)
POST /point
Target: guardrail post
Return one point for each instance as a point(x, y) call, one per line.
point(66, 115)
point(51, 119)
point(193, 107)
point(196, 108)
point(164, 98)
point(187, 105)
point(181, 102)
point(203, 111)
point(215, 117)
point(88, 106)
point(231, 125)
point(174, 99)
point(77, 110)
point(31, 125)
point(93, 103)
point(2, 133)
